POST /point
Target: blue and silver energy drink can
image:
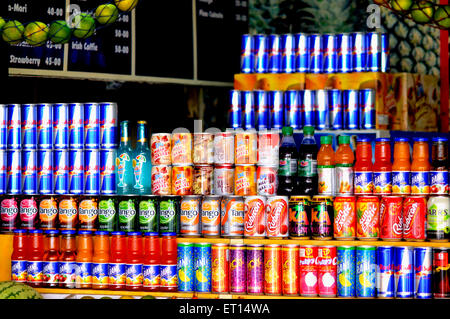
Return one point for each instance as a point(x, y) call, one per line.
point(92, 172)
point(45, 126)
point(29, 126)
point(277, 111)
point(14, 171)
point(335, 109)
point(423, 270)
point(287, 53)
point(404, 271)
point(274, 53)
point(315, 53)
point(45, 171)
point(61, 171)
point(91, 126)
point(108, 126)
point(262, 110)
point(107, 172)
point(261, 54)
point(307, 102)
point(385, 272)
point(322, 110)
point(61, 126)
point(3, 172)
point(14, 122)
point(247, 51)
point(359, 52)
point(235, 111)
point(3, 126)
point(29, 172)
point(367, 110)
point(385, 51)
point(76, 172)
point(294, 116)
point(248, 108)
point(373, 44)
point(329, 45)
point(76, 125)
point(351, 109)
point(344, 53)
point(301, 53)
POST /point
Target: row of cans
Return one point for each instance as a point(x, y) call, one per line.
point(59, 126)
point(323, 109)
point(315, 53)
point(75, 171)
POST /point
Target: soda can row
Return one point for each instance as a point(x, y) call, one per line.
point(58, 126)
point(194, 267)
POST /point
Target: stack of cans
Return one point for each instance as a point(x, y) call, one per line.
point(315, 53)
point(323, 109)
point(58, 148)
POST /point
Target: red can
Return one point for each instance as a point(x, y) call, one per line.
point(272, 270)
point(441, 273)
point(277, 222)
point(308, 271)
point(266, 180)
point(391, 225)
point(414, 218)
point(327, 271)
point(367, 217)
point(344, 217)
point(289, 256)
point(255, 216)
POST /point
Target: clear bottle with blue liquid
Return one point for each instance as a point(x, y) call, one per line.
point(142, 163)
point(124, 164)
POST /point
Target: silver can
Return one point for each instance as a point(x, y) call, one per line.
point(190, 216)
point(232, 216)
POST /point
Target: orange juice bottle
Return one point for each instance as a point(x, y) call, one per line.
point(344, 166)
point(420, 167)
point(84, 259)
point(35, 258)
point(382, 167)
point(401, 168)
point(135, 256)
point(363, 182)
point(67, 259)
point(325, 166)
point(117, 261)
point(100, 260)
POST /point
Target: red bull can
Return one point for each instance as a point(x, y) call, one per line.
point(76, 172)
point(301, 53)
point(261, 54)
point(335, 109)
point(344, 53)
point(385, 51)
point(247, 51)
point(108, 126)
point(91, 126)
point(92, 172)
point(61, 126)
point(45, 171)
point(248, 106)
point(14, 122)
point(307, 101)
point(3, 172)
point(329, 45)
point(107, 172)
point(404, 271)
point(3, 126)
point(423, 271)
point(359, 52)
point(45, 126)
point(274, 53)
point(373, 44)
point(287, 53)
point(262, 110)
point(29, 126)
point(235, 111)
point(367, 110)
point(277, 111)
point(61, 171)
point(315, 53)
point(385, 272)
point(29, 172)
point(351, 109)
point(14, 172)
point(294, 116)
point(322, 110)
point(76, 125)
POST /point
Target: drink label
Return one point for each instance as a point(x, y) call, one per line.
point(67, 274)
point(19, 270)
point(28, 211)
point(147, 216)
point(48, 212)
point(87, 213)
point(326, 180)
point(106, 213)
point(439, 182)
point(100, 274)
point(401, 183)
point(51, 272)
point(382, 182)
point(127, 215)
point(167, 218)
point(169, 276)
point(83, 273)
point(152, 276)
point(307, 168)
point(134, 275)
point(34, 271)
point(438, 217)
point(287, 167)
point(363, 183)
point(67, 213)
point(344, 179)
point(420, 183)
point(117, 274)
point(9, 211)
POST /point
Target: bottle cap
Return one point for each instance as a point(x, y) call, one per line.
point(287, 131)
point(362, 139)
point(134, 233)
point(401, 139)
point(440, 139)
point(101, 232)
point(52, 232)
point(326, 139)
point(344, 139)
point(308, 130)
point(84, 232)
point(382, 139)
point(117, 233)
point(151, 234)
point(168, 234)
point(35, 231)
point(20, 231)
point(67, 232)
point(420, 139)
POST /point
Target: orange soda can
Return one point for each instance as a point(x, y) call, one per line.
point(161, 149)
point(68, 212)
point(162, 180)
point(210, 213)
point(190, 216)
point(48, 212)
point(291, 266)
point(245, 180)
point(272, 270)
point(345, 217)
point(182, 180)
point(246, 147)
point(232, 217)
point(88, 213)
point(220, 268)
point(182, 148)
point(368, 217)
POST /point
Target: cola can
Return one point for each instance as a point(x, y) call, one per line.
point(277, 219)
point(255, 216)
point(414, 218)
point(210, 216)
point(232, 217)
point(391, 220)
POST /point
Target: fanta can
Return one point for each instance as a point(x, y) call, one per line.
point(100, 260)
point(84, 259)
point(202, 262)
point(152, 261)
point(420, 167)
point(401, 168)
point(135, 259)
point(117, 261)
point(185, 267)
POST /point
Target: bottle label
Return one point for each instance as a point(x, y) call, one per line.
point(287, 167)
point(326, 180)
point(83, 273)
point(307, 168)
point(117, 274)
point(51, 272)
point(439, 182)
point(67, 274)
point(138, 163)
point(401, 182)
point(100, 274)
point(152, 276)
point(35, 271)
point(169, 278)
point(134, 275)
point(28, 211)
point(363, 183)
point(19, 270)
point(420, 183)
point(106, 214)
point(344, 179)
point(382, 182)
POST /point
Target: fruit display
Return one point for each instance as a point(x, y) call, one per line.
point(17, 290)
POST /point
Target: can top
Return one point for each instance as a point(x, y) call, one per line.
point(20, 231)
point(52, 232)
point(151, 234)
point(401, 139)
point(84, 232)
point(168, 234)
point(68, 232)
point(255, 246)
point(202, 244)
point(101, 232)
point(366, 247)
point(346, 247)
point(117, 233)
point(134, 233)
point(35, 231)
point(272, 246)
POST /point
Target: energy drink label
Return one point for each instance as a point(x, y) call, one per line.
point(363, 182)
point(108, 126)
point(76, 125)
point(45, 126)
point(401, 182)
point(29, 126)
point(91, 126)
point(420, 167)
point(61, 126)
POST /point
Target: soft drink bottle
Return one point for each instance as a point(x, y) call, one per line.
point(382, 167)
point(51, 259)
point(67, 259)
point(152, 261)
point(124, 166)
point(100, 260)
point(142, 163)
point(363, 169)
point(169, 275)
point(19, 256)
point(117, 261)
point(84, 259)
point(307, 163)
point(288, 161)
point(134, 261)
point(401, 168)
point(35, 258)
point(344, 166)
point(326, 166)
point(439, 163)
point(420, 167)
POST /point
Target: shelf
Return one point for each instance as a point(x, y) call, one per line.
point(114, 292)
point(380, 133)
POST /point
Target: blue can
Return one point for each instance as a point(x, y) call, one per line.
point(315, 53)
point(294, 116)
point(248, 108)
point(385, 65)
point(76, 125)
point(3, 126)
point(3, 172)
point(261, 54)
point(277, 111)
point(45, 126)
point(29, 172)
point(92, 172)
point(404, 271)
point(29, 126)
point(329, 45)
point(14, 171)
point(45, 171)
point(373, 44)
point(346, 271)
point(274, 53)
point(322, 110)
point(359, 52)
point(344, 53)
point(335, 109)
point(423, 271)
point(366, 271)
point(107, 172)
point(235, 111)
point(185, 267)
point(61, 126)
point(367, 110)
point(351, 110)
point(301, 53)
point(385, 272)
point(76, 172)
point(262, 110)
point(287, 53)
point(307, 102)
point(91, 126)
point(202, 267)
point(61, 171)
point(14, 122)
point(247, 51)
point(108, 126)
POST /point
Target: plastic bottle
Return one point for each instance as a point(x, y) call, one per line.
point(401, 168)
point(152, 261)
point(124, 166)
point(135, 256)
point(19, 256)
point(142, 163)
point(420, 167)
point(35, 258)
point(288, 161)
point(363, 169)
point(169, 262)
point(51, 258)
point(439, 163)
point(117, 261)
point(67, 259)
point(307, 163)
point(84, 259)
point(344, 166)
point(382, 167)
point(326, 166)
point(100, 260)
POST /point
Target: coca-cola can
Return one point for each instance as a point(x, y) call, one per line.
point(308, 271)
point(327, 270)
point(414, 218)
point(277, 219)
point(232, 216)
point(391, 225)
point(266, 180)
point(255, 216)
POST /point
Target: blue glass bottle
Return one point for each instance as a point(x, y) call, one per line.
point(142, 162)
point(124, 164)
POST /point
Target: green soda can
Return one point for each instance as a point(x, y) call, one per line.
point(108, 216)
point(169, 212)
point(128, 213)
point(148, 214)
